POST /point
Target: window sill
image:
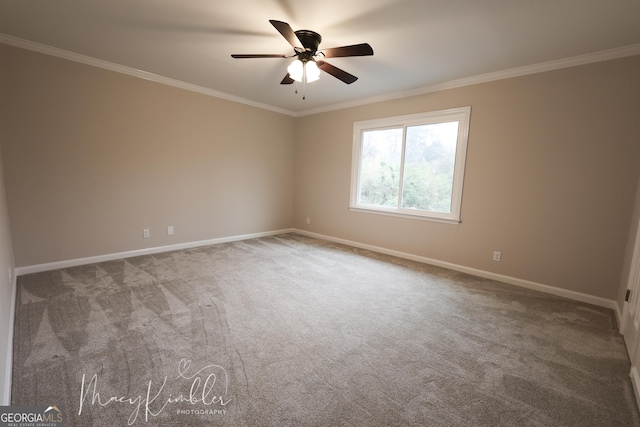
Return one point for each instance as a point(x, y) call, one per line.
point(404, 215)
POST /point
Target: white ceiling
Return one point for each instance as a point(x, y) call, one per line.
point(417, 43)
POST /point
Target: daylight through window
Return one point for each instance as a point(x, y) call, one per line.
point(411, 165)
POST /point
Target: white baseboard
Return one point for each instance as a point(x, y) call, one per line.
point(148, 251)
point(6, 400)
point(618, 311)
point(635, 381)
point(577, 296)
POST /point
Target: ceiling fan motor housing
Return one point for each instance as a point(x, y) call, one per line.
point(310, 40)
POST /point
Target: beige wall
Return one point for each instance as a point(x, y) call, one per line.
point(551, 172)
point(92, 157)
point(6, 289)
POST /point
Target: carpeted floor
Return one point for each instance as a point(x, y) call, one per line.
point(292, 331)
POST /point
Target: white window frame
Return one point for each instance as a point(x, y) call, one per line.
point(461, 115)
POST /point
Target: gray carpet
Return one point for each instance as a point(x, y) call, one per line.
point(292, 331)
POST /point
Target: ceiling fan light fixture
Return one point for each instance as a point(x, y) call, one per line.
point(296, 70)
point(309, 60)
point(312, 71)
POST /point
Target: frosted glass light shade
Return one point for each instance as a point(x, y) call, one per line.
point(312, 71)
point(296, 70)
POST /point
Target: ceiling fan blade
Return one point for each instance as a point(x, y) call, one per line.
point(260, 55)
point(287, 80)
point(337, 72)
point(362, 49)
point(287, 32)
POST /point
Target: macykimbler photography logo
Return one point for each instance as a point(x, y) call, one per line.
point(192, 391)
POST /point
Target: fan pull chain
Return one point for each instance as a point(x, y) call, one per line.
point(304, 86)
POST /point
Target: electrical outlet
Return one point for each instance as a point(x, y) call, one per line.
point(497, 256)
point(308, 220)
point(145, 233)
point(170, 230)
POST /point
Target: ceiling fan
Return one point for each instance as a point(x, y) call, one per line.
point(309, 60)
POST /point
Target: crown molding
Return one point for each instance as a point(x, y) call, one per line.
point(542, 67)
point(573, 61)
point(88, 60)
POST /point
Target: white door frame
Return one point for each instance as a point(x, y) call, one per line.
point(630, 320)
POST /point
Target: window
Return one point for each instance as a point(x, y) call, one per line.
point(411, 165)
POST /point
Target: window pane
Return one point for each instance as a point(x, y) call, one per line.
point(429, 162)
point(380, 167)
